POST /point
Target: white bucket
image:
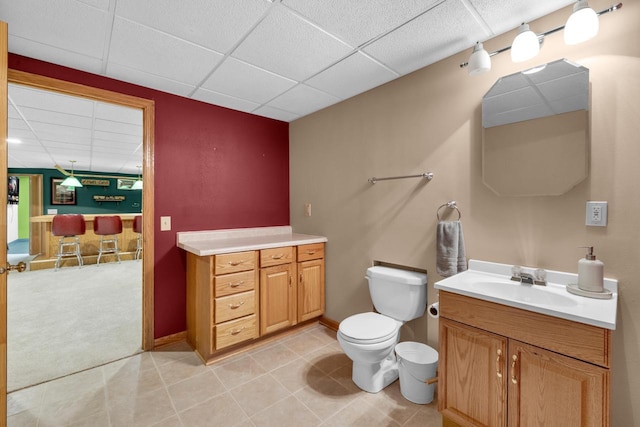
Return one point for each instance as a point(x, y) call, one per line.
point(417, 363)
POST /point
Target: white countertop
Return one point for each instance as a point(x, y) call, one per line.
point(215, 242)
point(554, 299)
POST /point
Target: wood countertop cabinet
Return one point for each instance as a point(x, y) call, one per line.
point(502, 366)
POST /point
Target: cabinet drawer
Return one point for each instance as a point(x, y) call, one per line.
point(276, 256)
point(234, 331)
point(234, 306)
point(231, 263)
point(229, 284)
point(312, 251)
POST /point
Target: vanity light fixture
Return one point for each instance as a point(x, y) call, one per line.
point(480, 62)
point(71, 181)
point(526, 45)
point(138, 184)
point(581, 26)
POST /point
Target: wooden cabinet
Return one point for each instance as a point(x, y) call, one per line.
point(501, 366)
point(310, 281)
point(237, 297)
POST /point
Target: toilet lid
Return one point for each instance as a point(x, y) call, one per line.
point(368, 327)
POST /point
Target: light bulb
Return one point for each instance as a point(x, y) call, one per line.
point(582, 25)
point(480, 62)
point(526, 44)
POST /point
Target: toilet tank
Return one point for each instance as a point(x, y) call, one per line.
point(400, 294)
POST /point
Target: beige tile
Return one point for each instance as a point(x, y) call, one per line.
point(359, 414)
point(173, 421)
point(70, 411)
point(180, 369)
point(304, 343)
point(328, 359)
point(287, 412)
point(24, 399)
point(100, 419)
point(324, 334)
point(142, 410)
point(131, 379)
point(274, 357)
point(259, 394)
point(23, 419)
point(136, 363)
point(297, 374)
point(426, 416)
point(221, 410)
point(326, 397)
point(194, 390)
point(74, 386)
point(171, 353)
point(343, 376)
point(237, 371)
point(390, 402)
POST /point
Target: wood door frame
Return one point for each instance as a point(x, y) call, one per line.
point(148, 117)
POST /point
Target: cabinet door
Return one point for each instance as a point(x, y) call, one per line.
point(310, 289)
point(277, 298)
point(472, 379)
point(551, 390)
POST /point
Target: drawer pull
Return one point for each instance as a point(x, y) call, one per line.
point(237, 331)
point(498, 370)
point(235, 263)
point(236, 284)
point(513, 369)
point(301, 278)
point(234, 306)
point(279, 256)
point(310, 252)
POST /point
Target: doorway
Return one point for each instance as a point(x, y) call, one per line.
point(147, 108)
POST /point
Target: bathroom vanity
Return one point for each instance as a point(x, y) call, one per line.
point(513, 354)
point(244, 284)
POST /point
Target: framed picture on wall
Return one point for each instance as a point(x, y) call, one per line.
point(61, 195)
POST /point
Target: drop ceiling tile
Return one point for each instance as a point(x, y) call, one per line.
point(54, 55)
point(117, 127)
point(504, 16)
point(148, 80)
point(445, 30)
point(355, 21)
point(118, 113)
point(23, 96)
point(66, 24)
point(223, 100)
point(241, 80)
point(302, 100)
point(123, 138)
point(215, 24)
point(56, 118)
point(276, 113)
point(290, 46)
point(351, 76)
point(147, 50)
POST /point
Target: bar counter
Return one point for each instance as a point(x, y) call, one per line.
point(45, 244)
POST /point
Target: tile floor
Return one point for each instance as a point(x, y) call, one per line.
point(301, 380)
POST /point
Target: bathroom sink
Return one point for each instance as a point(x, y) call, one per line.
point(528, 294)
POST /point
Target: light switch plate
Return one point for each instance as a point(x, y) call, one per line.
point(165, 223)
point(596, 214)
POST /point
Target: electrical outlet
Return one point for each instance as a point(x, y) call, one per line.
point(165, 223)
point(307, 209)
point(596, 214)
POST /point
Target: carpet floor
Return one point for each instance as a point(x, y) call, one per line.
point(66, 321)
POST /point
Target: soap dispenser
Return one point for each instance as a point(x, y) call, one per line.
point(590, 272)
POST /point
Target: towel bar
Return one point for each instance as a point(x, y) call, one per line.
point(427, 175)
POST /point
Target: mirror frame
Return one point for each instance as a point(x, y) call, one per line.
point(148, 122)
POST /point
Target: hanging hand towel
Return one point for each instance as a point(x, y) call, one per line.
point(450, 256)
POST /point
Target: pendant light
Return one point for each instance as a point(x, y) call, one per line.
point(71, 181)
point(582, 25)
point(138, 184)
point(480, 62)
point(526, 45)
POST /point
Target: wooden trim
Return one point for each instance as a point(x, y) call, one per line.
point(170, 339)
point(148, 116)
point(329, 323)
point(3, 217)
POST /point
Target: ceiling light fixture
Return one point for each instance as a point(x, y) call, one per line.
point(480, 62)
point(14, 141)
point(138, 184)
point(580, 8)
point(526, 45)
point(582, 25)
point(71, 181)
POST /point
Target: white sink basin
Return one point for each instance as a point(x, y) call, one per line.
point(491, 282)
point(529, 294)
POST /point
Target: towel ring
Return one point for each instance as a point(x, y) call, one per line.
point(450, 205)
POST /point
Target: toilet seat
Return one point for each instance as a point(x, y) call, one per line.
point(368, 328)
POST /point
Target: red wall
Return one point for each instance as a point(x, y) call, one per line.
point(214, 168)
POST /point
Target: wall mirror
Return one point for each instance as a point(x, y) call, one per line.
point(535, 136)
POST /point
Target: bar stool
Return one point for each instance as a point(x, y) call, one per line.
point(137, 228)
point(69, 226)
point(108, 228)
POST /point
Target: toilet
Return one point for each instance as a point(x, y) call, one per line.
point(369, 339)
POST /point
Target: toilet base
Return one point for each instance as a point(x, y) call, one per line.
point(373, 377)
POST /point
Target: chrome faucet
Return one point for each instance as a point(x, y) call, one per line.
point(538, 278)
point(526, 279)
